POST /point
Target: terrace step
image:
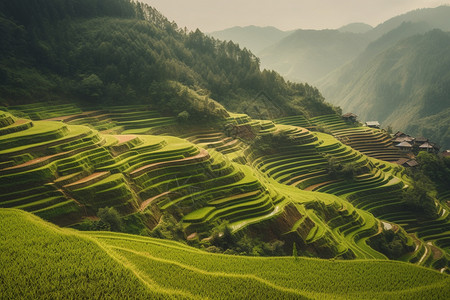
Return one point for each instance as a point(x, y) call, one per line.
point(88, 180)
point(202, 156)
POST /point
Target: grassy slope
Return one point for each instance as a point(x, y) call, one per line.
point(41, 260)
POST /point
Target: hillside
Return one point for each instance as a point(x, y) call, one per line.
point(437, 17)
point(253, 38)
point(246, 175)
point(170, 157)
point(402, 86)
point(58, 263)
point(115, 51)
point(308, 55)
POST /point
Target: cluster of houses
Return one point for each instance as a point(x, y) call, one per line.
point(408, 144)
point(405, 143)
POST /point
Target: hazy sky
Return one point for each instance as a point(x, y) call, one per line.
point(212, 15)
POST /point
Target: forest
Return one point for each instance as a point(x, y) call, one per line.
point(118, 51)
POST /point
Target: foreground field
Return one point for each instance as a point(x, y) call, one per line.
point(40, 260)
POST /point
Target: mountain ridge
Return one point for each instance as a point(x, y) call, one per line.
point(400, 85)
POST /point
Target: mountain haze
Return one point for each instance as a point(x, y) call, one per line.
point(307, 55)
point(253, 38)
point(402, 86)
point(356, 28)
point(437, 17)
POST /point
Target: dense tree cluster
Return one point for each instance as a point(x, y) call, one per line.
point(116, 50)
point(430, 177)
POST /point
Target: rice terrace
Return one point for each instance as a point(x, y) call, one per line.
point(143, 160)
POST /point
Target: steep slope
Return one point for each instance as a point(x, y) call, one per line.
point(310, 55)
point(118, 51)
point(437, 17)
point(401, 86)
point(253, 38)
point(40, 260)
point(307, 55)
point(70, 173)
point(172, 189)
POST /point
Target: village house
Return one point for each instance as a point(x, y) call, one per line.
point(399, 134)
point(426, 147)
point(373, 124)
point(421, 140)
point(407, 162)
point(404, 138)
point(404, 147)
point(407, 143)
point(350, 117)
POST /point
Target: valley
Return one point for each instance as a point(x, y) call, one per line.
point(143, 160)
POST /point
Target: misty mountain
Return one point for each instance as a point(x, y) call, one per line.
point(335, 84)
point(406, 86)
point(307, 55)
point(356, 28)
point(253, 38)
point(438, 17)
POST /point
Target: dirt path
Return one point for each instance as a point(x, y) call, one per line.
point(313, 187)
point(87, 178)
point(19, 122)
point(35, 161)
point(423, 256)
point(124, 138)
point(202, 155)
point(64, 118)
point(148, 201)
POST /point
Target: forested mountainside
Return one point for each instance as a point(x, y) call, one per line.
point(115, 51)
point(405, 86)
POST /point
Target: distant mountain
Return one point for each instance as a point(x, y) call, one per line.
point(438, 17)
point(406, 86)
point(356, 28)
point(307, 55)
point(335, 84)
point(253, 38)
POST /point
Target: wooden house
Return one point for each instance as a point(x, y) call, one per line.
point(373, 124)
point(349, 117)
point(404, 146)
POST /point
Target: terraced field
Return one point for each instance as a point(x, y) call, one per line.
point(80, 171)
point(372, 142)
point(376, 190)
point(58, 263)
point(69, 171)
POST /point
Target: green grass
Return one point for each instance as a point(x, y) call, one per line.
point(40, 260)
